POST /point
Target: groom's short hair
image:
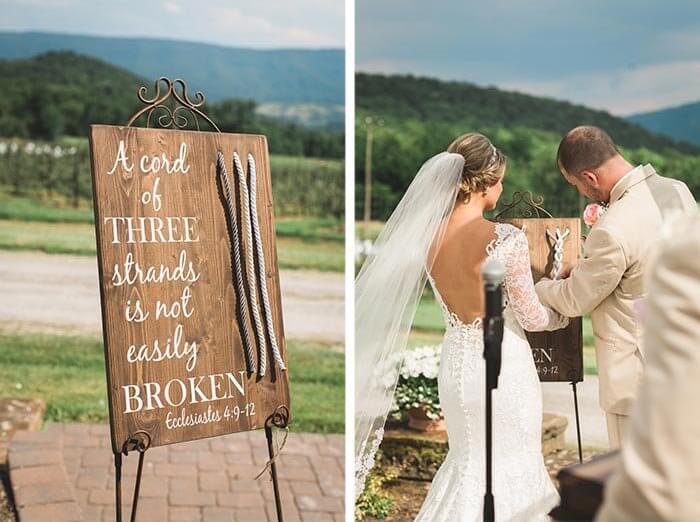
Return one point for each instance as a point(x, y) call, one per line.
point(583, 148)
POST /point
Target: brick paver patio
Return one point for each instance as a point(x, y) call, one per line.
point(71, 465)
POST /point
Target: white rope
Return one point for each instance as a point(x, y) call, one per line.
point(236, 256)
point(250, 267)
point(262, 277)
point(558, 239)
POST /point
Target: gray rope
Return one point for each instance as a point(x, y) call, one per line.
point(262, 279)
point(250, 272)
point(236, 255)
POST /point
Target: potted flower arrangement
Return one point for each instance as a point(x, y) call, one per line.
point(416, 396)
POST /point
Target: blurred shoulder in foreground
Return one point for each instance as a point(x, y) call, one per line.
point(659, 474)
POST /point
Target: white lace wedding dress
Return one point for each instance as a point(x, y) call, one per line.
point(522, 488)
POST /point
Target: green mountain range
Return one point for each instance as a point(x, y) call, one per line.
point(679, 123)
point(429, 99)
point(61, 93)
point(280, 75)
point(414, 118)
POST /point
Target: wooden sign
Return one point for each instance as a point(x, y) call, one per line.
point(175, 324)
point(558, 355)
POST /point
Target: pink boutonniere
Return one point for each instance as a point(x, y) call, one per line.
point(592, 213)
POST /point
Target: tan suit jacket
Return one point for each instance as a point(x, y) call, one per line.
point(659, 473)
point(609, 278)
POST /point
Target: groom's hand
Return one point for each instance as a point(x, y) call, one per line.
point(565, 271)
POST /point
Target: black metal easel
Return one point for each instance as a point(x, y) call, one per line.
point(176, 110)
point(578, 423)
point(140, 441)
point(279, 419)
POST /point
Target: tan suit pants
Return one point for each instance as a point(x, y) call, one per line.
point(617, 427)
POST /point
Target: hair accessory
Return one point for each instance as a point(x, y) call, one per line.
point(494, 154)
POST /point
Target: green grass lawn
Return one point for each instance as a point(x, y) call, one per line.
point(34, 209)
point(79, 238)
point(68, 373)
point(52, 238)
point(311, 229)
point(29, 223)
point(31, 209)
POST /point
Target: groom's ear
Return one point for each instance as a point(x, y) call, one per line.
point(590, 177)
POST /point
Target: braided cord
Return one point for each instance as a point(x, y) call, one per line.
point(558, 240)
point(236, 255)
point(262, 279)
point(250, 267)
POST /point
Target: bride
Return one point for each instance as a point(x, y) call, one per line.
point(438, 233)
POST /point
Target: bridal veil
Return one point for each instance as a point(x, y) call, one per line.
point(387, 291)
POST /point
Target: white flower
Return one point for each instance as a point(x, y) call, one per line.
point(424, 360)
point(363, 248)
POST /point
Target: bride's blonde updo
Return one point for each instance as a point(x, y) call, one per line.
point(484, 164)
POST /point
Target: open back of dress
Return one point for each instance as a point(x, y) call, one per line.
point(456, 269)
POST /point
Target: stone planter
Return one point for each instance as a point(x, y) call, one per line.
point(418, 420)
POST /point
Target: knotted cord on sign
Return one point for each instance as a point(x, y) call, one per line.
point(262, 279)
point(237, 264)
point(249, 190)
point(558, 239)
point(250, 267)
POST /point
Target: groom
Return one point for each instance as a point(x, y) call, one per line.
point(609, 277)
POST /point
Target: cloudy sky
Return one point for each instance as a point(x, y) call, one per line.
point(288, 23)
point(622, 56)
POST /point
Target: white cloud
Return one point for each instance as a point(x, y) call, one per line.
point(299, 24)
point(172, 7)
point(299, 36)
point(238, 27)
point(680, 42)
point(623, 92)
point(40, 3)
point(389, 66)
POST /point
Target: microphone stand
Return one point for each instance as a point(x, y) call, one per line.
point(493, 273)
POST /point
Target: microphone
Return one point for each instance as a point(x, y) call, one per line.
point(493, 273)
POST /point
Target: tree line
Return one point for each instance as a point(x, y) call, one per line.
point(401, 147)
point(59, 94)
point(414, 118)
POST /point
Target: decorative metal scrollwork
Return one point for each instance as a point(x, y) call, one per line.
point(174, 105)
point(528, 205)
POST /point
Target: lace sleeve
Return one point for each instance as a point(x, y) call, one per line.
point(532, 315)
